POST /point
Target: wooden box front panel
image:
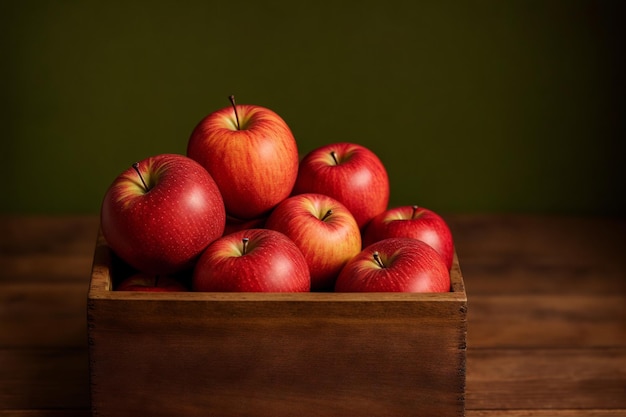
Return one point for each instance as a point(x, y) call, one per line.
point(314, 354)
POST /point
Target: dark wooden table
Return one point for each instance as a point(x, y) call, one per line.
point(546, 317)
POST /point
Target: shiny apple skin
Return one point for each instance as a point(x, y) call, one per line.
point(410, 266)
point(359, 180)
point(163, 230)
point(255, 167)
point(415, 222)
point(327, 243)
point(271, 263)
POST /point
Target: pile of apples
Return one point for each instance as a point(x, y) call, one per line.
point(241, 212)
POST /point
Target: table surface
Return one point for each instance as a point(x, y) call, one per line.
point(546, 314)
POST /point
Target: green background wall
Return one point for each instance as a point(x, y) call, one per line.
point(474, 106)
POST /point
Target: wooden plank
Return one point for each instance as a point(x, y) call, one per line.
point(36, 267)
point(47, 248)
point(546, 413)
point(542, 321)
point(494, 275)
point(278, 358)
point(541, 254)
point(33, 379)
point(43, 315)
point(567, 238)
point(500, 379)
point(86, 412)
point(468, 413)
point(74, 235)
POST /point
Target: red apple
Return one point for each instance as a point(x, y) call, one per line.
point(416, 222)
point(395, 265)
point(252, 155)
point(351, 174)
point(159, 215)
point(254, 260)
point(150, 283)
point(323, 229)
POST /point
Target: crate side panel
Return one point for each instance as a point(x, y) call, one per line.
point(277, 359)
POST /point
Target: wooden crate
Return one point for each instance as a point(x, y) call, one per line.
point(254, 354)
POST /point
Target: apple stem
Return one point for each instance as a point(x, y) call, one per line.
point(328, 213)
point(334, 155)
point(232, 101)
point(378, 260)
point(414, 211)
point(136, 168)
point(245, 244)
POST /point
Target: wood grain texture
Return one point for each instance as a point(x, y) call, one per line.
point(546, 297)
point(547, 413)
point(46, 413)
point(46, 248)
point(43, 379)
point(469, 413)
point(317, 354)
point(547, 321)
point(524, 254)
point(30, 315)
point(547, 378)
